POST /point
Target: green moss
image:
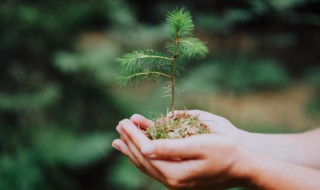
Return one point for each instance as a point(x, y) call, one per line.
point(179, 125)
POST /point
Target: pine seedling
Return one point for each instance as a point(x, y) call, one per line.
point(157, 66)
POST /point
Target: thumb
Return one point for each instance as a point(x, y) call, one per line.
point(173, 148)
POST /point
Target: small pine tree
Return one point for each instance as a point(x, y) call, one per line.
point(151, 64)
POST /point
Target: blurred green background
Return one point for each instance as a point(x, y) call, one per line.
point(60, 102)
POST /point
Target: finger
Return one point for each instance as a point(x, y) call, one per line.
point(144, 164)
point(122, 147)
point(132, 149)
point(188, 148)
point(137, 137)
point(118, 144)
point(130, 154)
point(141, 121)
point(216, 123)
point(126, 146)
point(118, 128)
point(183, 171)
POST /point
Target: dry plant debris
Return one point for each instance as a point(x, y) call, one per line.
point(177, 126)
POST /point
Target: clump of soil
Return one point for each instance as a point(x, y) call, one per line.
point(177, 126)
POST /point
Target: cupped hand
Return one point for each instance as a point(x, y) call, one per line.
point(219, 125)
point(197, 162)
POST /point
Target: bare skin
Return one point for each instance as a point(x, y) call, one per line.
point(219, 160)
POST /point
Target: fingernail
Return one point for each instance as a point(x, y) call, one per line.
point(118, 129)
point(121, 122)
point(148, 149)
point(134, 116)
point(115, 147)
point(126, 124)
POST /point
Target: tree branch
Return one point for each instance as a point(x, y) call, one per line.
point(149, 73)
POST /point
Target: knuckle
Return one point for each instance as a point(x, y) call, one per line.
point(231, 148)
point(164, 151)
point(189, 185)
point(174, 183)
point(196, 170)
point(179, 181)
point(174, 179)
point(205, 145)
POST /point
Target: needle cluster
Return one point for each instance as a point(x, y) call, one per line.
point(151, 64)
point(154, 65)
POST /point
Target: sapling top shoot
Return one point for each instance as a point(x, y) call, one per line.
point(151, 64)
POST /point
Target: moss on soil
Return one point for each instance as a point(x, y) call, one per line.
point(179, 125)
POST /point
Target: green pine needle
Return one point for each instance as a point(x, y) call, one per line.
point(180, 23)
point(141, 75)
point(150, 64)
point(192, 48)
point(142, 59)
point(142, 64)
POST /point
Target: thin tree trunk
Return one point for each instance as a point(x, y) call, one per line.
point(173, 84)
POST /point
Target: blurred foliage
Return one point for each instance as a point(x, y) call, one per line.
point(287, 12)
point(59, 102)
point(90, 63)
point(313, 77)
point(239, 75)
point(55, 125)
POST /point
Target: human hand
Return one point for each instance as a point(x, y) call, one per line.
point(197, 162)
point(217, 124)
point(234, 159)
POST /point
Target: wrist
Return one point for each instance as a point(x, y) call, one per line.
point(243, 137)
point(245, 166)
point(249, 140)
point(240, 171)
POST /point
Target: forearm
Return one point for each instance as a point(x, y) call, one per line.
point(264, 172)
point(302, 149)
